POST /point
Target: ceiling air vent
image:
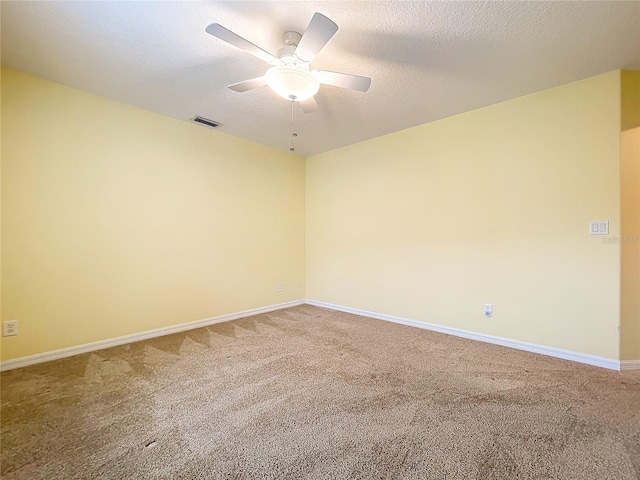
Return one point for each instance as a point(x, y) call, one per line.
point(206, 121)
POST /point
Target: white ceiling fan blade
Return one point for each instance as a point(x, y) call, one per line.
point(249, 84)
point(309, 105)
point(343, 80)
point(236, 40)
point(318, 33)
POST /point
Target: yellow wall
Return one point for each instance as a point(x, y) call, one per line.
point(116, 220)
point(490, 206)
point(630, 98)
point(630, 232)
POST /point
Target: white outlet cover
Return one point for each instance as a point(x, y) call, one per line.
point(488, 310)
point(9, 328)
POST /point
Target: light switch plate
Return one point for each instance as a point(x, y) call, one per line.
point(599, 227)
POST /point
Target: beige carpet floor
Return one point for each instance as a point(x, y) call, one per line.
point(316, 394)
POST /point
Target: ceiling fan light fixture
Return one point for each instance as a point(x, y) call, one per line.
point(292, 83)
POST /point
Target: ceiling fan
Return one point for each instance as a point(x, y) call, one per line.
point(290, 76)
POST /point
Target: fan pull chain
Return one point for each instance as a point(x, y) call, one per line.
point(293, 135)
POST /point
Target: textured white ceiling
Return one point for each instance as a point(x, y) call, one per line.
point(428, 60)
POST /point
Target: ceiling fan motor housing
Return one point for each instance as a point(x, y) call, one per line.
point(286, 55)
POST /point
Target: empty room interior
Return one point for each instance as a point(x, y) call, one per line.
point(320, 240)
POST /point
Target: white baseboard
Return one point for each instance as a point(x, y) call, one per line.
point(630, 365)
point(136, 337)
point(481, 337)
point(158, 332)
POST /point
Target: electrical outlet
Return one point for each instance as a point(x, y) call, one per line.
point(488, 310)
point(9, 328)
point(279, 287)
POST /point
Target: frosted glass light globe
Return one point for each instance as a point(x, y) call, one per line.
point(292, 83)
